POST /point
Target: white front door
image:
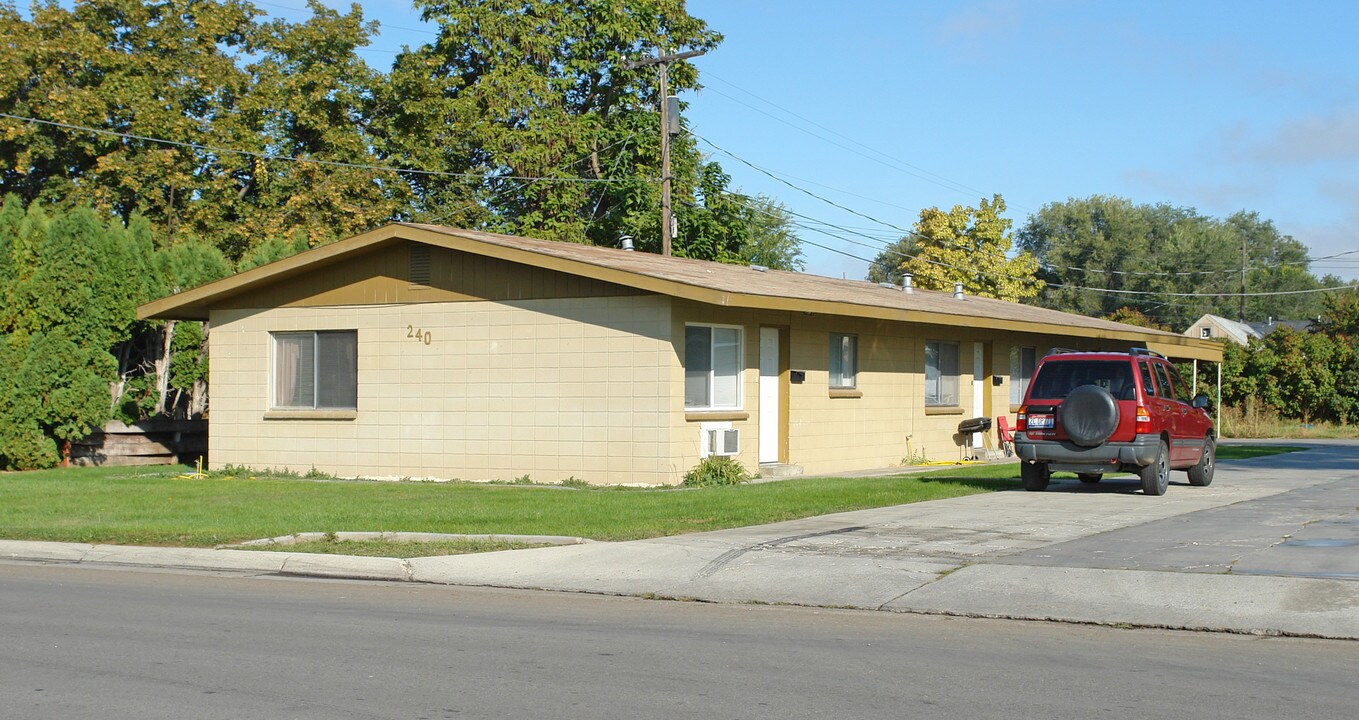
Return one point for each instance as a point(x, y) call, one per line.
point(978, 388)
point(769, 395)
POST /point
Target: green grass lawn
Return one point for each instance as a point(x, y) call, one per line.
point(154, 507)
point(1246, 452)
point(140, 506)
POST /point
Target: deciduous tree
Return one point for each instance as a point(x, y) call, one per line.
point(1100, 253)
point(542, 90)
point(971, 246)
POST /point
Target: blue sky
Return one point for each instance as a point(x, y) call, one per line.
point(889, 107)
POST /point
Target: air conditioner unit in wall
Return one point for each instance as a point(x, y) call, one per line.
point(721, 441)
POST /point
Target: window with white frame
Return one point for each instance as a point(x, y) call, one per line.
point(1206, 331)
point(844, 360)
point(316, 370)
point(1022, 362)
point(712, 367)
point(941, 373)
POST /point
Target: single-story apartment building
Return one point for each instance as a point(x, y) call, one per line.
point(429, 352)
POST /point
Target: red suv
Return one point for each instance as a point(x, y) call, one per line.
point(1099, 412)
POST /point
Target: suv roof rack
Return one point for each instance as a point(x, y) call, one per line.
point(1137, 351)
point(1145, 351)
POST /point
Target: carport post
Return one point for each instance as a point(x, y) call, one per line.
point(1219, 400)
point(1194, 383)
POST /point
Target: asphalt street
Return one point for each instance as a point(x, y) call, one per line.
point(116, 643)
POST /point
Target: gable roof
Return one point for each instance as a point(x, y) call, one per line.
point(698, 280)
point(1238, 332)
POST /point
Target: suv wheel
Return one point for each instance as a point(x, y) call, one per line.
point(1034, 476)
point(1202, 473)
point(1156, 476)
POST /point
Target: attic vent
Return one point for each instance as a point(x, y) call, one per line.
point(420, 265)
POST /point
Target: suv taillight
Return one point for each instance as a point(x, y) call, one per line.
point(1143, 417)
point(1022, 419)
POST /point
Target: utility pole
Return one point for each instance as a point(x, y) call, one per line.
point(1242, 317)
point(664, 60)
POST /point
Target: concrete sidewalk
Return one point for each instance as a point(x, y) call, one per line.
point(1089, 554)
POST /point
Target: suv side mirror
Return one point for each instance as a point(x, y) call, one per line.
point(1200, 401)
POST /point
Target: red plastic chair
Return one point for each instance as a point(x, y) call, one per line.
point(1005, 435)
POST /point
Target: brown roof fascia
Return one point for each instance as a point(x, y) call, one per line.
point(194, 304)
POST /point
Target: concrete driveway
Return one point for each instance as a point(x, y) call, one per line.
point(1270, 547)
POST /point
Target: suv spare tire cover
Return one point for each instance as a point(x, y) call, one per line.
point(1089, 415)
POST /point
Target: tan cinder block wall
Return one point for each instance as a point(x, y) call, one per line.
point(591, 388)
point(685, 428)
point(828, 434)
point(832, 434)
point(839, 434)
point(548, 388)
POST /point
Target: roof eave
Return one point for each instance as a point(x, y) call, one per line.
point(194, 304)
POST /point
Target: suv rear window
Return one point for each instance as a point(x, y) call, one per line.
point(1056, 379)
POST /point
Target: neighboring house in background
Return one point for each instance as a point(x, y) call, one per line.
point(1269, 326)
point(427, 352)
point(1216, 327)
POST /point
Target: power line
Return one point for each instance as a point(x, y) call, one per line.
point(1107, 291)
point(836, 144)
point(919, 172)
point(802, 190)
point(528, 183)
point(1205, 295)
point(745, 199)
point(1184, 273)
point(313, 161)
point(913, 233)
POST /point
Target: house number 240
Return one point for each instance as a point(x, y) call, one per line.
point(422, 336)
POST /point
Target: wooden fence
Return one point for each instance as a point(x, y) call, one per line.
point(152, 442)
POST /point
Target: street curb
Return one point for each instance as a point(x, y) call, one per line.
point(1259, 605)
point(405, 537)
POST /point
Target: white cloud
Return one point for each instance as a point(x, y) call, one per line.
point(1303, 140)
point(978, 23)
point(1332, 238)
point(1216, 197)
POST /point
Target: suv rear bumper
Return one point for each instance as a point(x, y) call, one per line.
point(1107, 456)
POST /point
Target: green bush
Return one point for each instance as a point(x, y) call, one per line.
point(717, 470)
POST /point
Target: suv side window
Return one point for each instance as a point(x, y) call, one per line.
point(1181, 390)
point(1147, 383)
point(1163, 380)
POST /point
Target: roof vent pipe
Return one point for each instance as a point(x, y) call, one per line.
point(906, 281)
point(625, 242)
point(957, 291)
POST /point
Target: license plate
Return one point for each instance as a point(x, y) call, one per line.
point(1040, 421)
